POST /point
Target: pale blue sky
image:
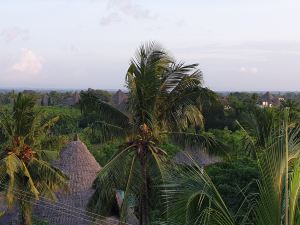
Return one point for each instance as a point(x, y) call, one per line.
point(239, 44)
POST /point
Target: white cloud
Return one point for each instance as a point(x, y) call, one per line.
point(243, 70)
point(13, 33)
point(110, 18)
point(129, 8)
point(251, 70)
point(29, 63)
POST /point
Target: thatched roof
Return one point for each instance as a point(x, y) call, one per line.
point(267, 97)
point(10, 216)
point(271, 99)
point(81, 167)
point(72, 100)
point(198, 156)
point(2, 203)
point(119, 97)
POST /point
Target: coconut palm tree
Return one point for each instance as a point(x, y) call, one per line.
point(24, 175)
point(164, 101)
point(279, 187)
point(259, 128)
point(193, 199)
point(294, 107)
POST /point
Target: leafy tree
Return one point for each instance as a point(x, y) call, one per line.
point(88, 110)
point(101, 94)
point(294, 108)
point(24, 175)
point(165, 100)
point(7, 97)
point(234, 179)
point(231, 143)
point(242, 103)
point(259, 126)
point(192, 197)
point(278, 201)
point(215, 117)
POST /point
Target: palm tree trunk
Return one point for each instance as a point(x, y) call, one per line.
point(26, 213)
point(286, 118)
point(144, 190)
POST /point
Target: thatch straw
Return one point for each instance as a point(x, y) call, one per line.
point(79, 164)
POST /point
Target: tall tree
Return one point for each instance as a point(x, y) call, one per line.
point(165, 100)
point(24, 175)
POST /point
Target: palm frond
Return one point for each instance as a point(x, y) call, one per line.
point(127, 191)
point(43, 172)
point(203, 140)
point(277, 201)
point(111, 178)
point(175, 74)
point(10, 166)
point(294, 194)
point(144, 80)
point(47, 155)
point(260, 127)
point(193, 199)
point(106, 132)
point(103, 110)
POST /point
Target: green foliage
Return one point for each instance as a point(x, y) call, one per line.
point(294, 109)
point(260, 127)
point(242, 102)
point(7, 98)
point(216, 118)
point(231, 142)
point(68, 119)
point(54, 143)
point(192, 198)
point(57, 98)
point(170, 148)
point(100, 114)
point(39, 221)
point(100, 94)
point(234, 179)
point(104, 153)
point(22, 168)
point(165, 99)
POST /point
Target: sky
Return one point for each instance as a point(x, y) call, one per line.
point(240, 45)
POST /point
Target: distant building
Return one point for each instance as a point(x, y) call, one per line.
point(119, 98)
point(195, 155)
point(29, 92)
point(269, 100)
point(45, 100)
point(72, 100)
point(225, 102)
point(76, 97)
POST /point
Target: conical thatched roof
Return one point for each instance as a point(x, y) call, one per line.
point(79, 164)
point(3, 206)
point(119, 97)
point(268, 97)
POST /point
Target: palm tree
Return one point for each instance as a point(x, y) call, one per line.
point(193, 198)
point(165, 100)
point(259, 128)
point(294, 107)
point(24, 175)
point(279, 187)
